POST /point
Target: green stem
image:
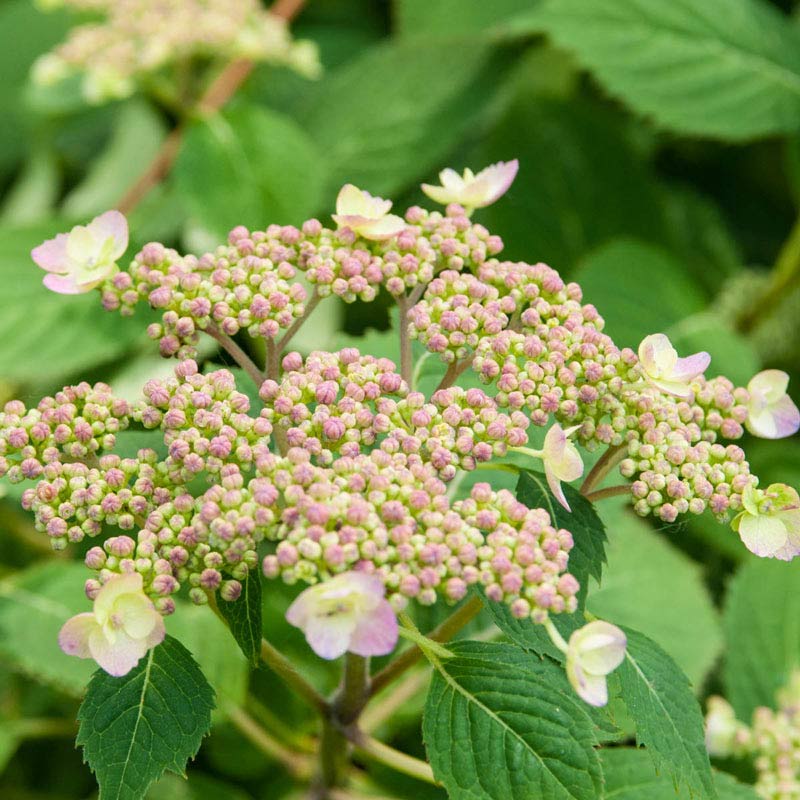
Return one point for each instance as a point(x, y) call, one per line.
point(295, 764)
point(557, 639)
point(418, 370)
point(236, 353)
point(288, 673)
point(453, 373)
point(443, 633)
point(785, 272)
point(604, 465)
point(527, 451)
point(611, 491)
point(354, 690)
point(401, 762)
point(410, 631)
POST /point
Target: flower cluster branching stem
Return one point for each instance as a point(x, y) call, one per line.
point(604, 465)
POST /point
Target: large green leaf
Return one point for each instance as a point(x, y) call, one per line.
point(34, 604)
point(667, 716)
point(498, 726)
point(134, 728)
point(581, 182)
point(762, 631)
point(384, 119)
point(587, 556)
point(724, 68)
point(250, 167)
point(653, 587)
point(638, 289)
point(244, 617)
point(451, 17)
point(49, 336)
point(630, 775)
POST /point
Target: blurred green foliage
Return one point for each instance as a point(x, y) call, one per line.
point(659, 148)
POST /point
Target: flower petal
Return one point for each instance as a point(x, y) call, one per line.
point(111, 224)
point(375, 634)
point(498, 179)
point(62, 284)
point(112, 590)
point(592, 689)
point(599, 647)
point(139, 616)
point(555, 486)
point(443, 195)
point(776, 421)
point(52, 254)
point(329, 637)
point(384, 228)
point(762, 535)
point(770, 384)
point(73, 638)
point(691, 366)
point(350, 200)
point(119, 657)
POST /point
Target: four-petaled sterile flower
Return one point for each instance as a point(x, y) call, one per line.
point(663, 369)
point(561, 459)
point(470, 190)
point(769, 525)
point(82, 259)
point(366, 215)
point(348, 613)
point(122, 628)
point(771, 414)
point(594, 651)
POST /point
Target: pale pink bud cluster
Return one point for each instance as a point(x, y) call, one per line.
point(205, 422)
point(772, 740)
point(139, 37)
point(77, 423)
point(389, 515)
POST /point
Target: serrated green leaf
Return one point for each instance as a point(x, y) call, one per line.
point(587, 556)
point(630, 775)
point(651, 586)
point(452, 17)
point(761, 622)
point(134, 728)
point(723, 68)
point(49, 335)
point(638, 288)
point(250, 167)
point(667, 716)
point(244, 617)
point(381, 122)
point(34, 604)
point(498, 727)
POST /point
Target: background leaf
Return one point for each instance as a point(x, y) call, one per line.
point(134, 728)
point(726, 68)
point(244, 617)
point(667, 716)
point(496, 727)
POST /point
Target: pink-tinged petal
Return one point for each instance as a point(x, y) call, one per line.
point(654, 351)
point(73, 638)
point(592, 689)
point(441, 194)
point(384, 228)
point(765, 536)
point(451, 180)
point(111, 224)
point(769, 385)
point(775, 421)
point(52, 254)
point(675, 388)
point(691, 366)
point(157, 635)
point(555, 486)
point(62, 284)
point(352, 221)
point(117, 658)
point(599, 647)
point(113, 589)
point(499, 178)
point(300, 610)
point(560, 455)
point(329, 637)
point(365, 583)
point(375, 634)
point(139, 616)
point(350, 200)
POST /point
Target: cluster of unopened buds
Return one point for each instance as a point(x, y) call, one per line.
point(136, 40)
point(772, 740)
point(345, 476)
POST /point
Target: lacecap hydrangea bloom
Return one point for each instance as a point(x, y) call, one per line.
point(340, 474)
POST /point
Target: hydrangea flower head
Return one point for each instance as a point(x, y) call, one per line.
point(123, 626)
point(366, 215)
point(82, 259)
point(594, 651)
point(347, 613)
point(663, 369)
point(562, 461)
point(771, 413)
point(473, 191)
point(769, 524)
